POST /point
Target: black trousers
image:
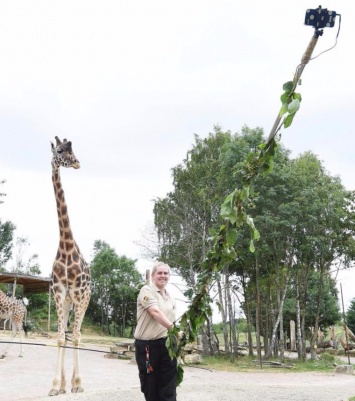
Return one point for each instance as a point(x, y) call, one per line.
point(160, 383)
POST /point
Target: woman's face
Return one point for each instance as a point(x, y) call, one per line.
point(161, 276)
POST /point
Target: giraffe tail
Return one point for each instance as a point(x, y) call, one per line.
point(24, 324)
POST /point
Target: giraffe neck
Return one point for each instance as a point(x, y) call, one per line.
point(65, 232)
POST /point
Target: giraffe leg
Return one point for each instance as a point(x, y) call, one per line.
point(18, 323)
point(12, 337)
point(58, 384)
point(79, 313)
point(21, 347)
point(76, 384)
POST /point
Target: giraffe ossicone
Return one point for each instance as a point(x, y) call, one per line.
point(71, 280)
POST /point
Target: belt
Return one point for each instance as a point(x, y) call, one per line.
point(159, 340)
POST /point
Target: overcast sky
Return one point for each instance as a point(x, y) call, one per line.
point(131, 82)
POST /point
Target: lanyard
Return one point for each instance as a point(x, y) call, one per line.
point(147, 362)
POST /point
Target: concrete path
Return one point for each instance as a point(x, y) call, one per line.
point(29, 378)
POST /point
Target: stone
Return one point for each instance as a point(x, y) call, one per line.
point(345, 369)
point(193, 358)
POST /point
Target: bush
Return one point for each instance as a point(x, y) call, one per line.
point(327, 357)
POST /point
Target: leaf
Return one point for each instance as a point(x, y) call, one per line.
point(189, 293)
point(249, 220)
point(288, 86)
point(283, 110)
point(288, 120)
point(297, 96)
point(262, 146)
point(285, 98)
point(294, 106)
point(244, 195)
point(180, 374)
point(233, 216)
point(231, 235)
point(227, 205)
point(251, 246)
point(256, 234)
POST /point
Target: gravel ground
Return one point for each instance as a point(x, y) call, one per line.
point(223, 386)
point(29, 378)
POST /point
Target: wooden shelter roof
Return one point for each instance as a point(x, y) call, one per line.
point(31, 284)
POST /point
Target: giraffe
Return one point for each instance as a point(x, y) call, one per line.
point(5, 323)
point(13, 309)
point(71, 282)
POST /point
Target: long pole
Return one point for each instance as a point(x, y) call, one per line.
point(305, 59)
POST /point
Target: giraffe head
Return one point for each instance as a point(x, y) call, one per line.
point(63, 154)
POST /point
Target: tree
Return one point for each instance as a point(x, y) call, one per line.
point(350, 316)
point(6, 236)
point(1, 193)
point(323, 232)
point(186, 217)
point(116, 282)
point(303, 214)
point(23, 264)
point(149, 243)
point(305, 221)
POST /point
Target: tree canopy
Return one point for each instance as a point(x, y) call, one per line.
point(115, 288)
point(6, 237)
point(303, 214)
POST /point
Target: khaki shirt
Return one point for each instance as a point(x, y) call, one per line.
point(147, 327)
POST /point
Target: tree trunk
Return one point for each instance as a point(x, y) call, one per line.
point(249, 320)
point(257, 312)
point(208, 340)
point(282, 336)
point(211, 337)
point(231, 320)
point(303, 311)
point(265, 323)
point(298, 321)
point(279, 317)
point(313, 342)
point(224, 318)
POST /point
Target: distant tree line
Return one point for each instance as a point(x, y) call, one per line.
point(115, 279)
point(116, 282)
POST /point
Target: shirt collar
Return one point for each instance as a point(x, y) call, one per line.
point(158, 290)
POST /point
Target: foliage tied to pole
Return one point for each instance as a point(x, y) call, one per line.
point(234, 211)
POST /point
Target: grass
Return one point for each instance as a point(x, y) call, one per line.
point(325, 362)
point(92, 335)
point(246, 364)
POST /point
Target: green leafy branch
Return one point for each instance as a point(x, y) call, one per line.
point(222, 252)
point(291, 102)
point(234, 213)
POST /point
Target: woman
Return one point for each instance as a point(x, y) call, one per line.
point(155, 315)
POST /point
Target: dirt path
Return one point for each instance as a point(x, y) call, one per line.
point(29, 378)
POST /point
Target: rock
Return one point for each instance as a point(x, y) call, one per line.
point(188, 348)
point(193, 358)
point(344, 369)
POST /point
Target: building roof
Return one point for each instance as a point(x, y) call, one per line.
point(31, 284)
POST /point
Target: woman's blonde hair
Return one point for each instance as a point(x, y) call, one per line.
point(158, 264)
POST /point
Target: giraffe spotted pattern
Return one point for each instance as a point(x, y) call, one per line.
point(71, 282)
point(13, 309)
